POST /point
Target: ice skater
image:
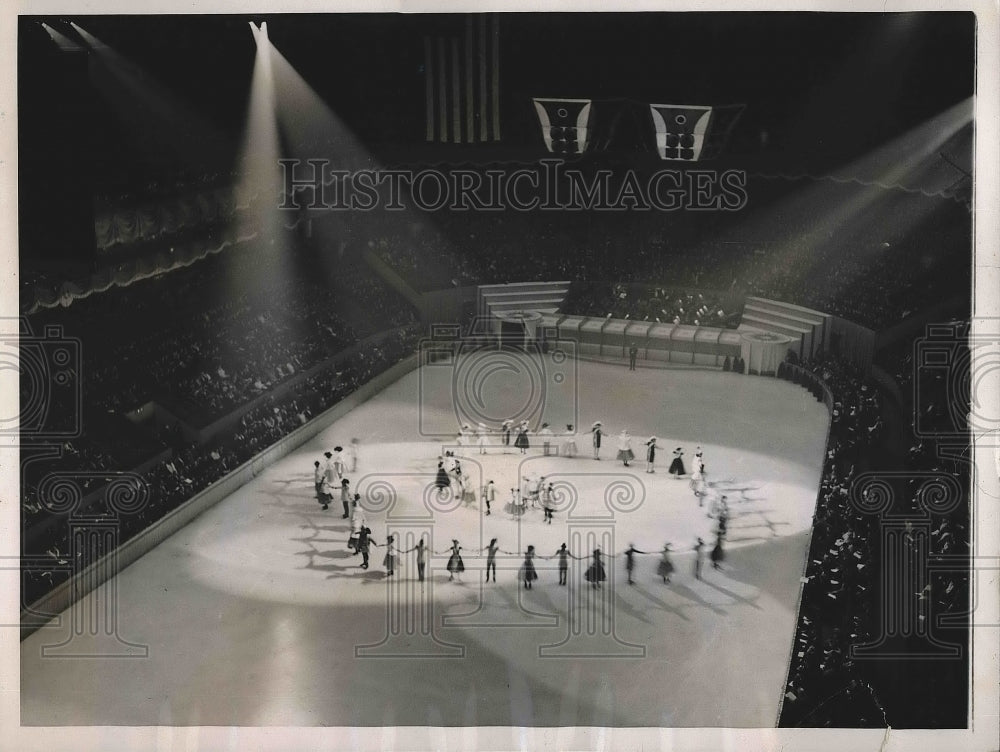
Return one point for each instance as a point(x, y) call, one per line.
point(547, 501)
point(505, 429)
point(441, 480)
point(666, 567)
point(535, 492)
point(319, 476)
point(595, 574)
point(468, 493)
point(723, 519)
point(719, 503)
point(352, 456)
point(489, 496)
point(596, 432)
point(698, 484)
point(456, 472)
point(718, 554)
point(482, 437)
point(329, 471)
point(338, 462)
point(514, 507)
point(345, 497)
point(697, 558)
point(491, 559)
point(364, 544)
point(546, 437)
point(464, 436)
point(521, 442)
point(528, 573)
point(455, 564)
point(677, 466)
point(650, 453)
point(625, 453)
point(357, 522)
point(390, 559)
point(630, 553)
point(421, 550)
point(563, 555)
point(633, 351)
point(569, 442)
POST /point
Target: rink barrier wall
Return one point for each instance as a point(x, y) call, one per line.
point(808, 380)
point(47, 608)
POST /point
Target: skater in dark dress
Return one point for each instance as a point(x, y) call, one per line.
point(630, 553)
point(650, 453)
point(364, 543)
point(455, 563)
point(595, 574)
point(345, 497)
point(677, 466)
point(723, 520)
point(697, 558)
point(597, 432)
point(528, 573)
point(521, 442)
point(563, 555)
point(442, 481)
point(491, 559)
point(666, 567)
point(717, 554)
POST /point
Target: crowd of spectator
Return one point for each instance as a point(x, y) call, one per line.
point(201, 341)
point(905, 252)
point(843, 594)
point(640, 302)
point(217, 334)
point(192, 467)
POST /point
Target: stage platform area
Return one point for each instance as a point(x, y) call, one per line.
point(256, 614)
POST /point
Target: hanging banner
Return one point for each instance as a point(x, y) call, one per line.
point(565, 124)
point(680, 130)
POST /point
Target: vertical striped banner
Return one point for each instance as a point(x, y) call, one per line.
point(495, 89)
point(470, 113)
point(465, 66)
point(442, 92)
point(456, 100)
point(429, 87)
point(482, 79)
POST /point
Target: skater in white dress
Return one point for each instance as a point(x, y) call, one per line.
point(625, 453)
point(569, 442)
point(546, 437)
point(698, 485)
point(482, 433)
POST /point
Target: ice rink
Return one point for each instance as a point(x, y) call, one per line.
point(257, 614)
